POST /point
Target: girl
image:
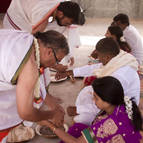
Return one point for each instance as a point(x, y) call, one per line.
point(119, 119)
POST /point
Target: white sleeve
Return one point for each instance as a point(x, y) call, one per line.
point(85, 71)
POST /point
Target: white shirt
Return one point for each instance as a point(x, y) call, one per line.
point(86, 108)
point(127, 76)
point(134, 40)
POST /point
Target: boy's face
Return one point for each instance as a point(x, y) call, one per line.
point(103, 58)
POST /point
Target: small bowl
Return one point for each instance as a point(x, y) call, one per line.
point(51, 135)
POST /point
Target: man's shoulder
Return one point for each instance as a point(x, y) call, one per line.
point(130, 30)
point(126, 72)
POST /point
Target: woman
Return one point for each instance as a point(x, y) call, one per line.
point(119, 121)
point(116, 33)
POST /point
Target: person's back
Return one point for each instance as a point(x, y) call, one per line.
point(131, 35)
point(130, 81)
point(134, 39)
point(11, 57)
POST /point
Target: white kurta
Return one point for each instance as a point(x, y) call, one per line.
point(86, 108)
point(134, 40)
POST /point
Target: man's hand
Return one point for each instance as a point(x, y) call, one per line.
point(58, 117)
point(60, 67)
point(53, 102)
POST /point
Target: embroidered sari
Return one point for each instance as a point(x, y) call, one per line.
point(114, 128)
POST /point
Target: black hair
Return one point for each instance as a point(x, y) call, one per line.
point(123, 18)
point(117, 31)
point(72, 10)
point(53, 39)
point(108, 46)
point(109, 89)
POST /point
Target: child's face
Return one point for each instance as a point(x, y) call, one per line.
point(103, 58)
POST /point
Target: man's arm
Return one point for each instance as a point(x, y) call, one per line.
point(24, 96)
point(40, 28)
point(24, 93)
point(84, 71)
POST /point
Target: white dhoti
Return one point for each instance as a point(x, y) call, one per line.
point(14, 46)
point(28, 14)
